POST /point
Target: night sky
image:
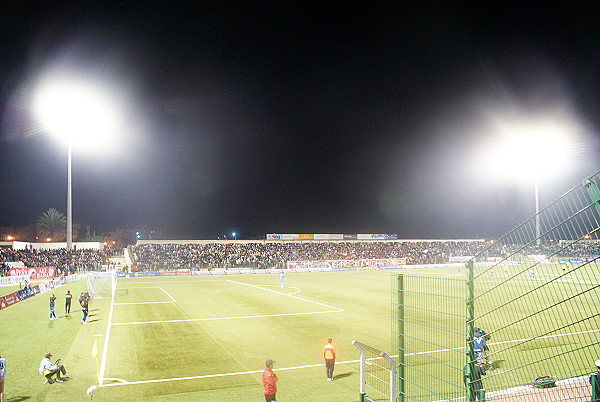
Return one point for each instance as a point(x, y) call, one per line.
point(300, 117)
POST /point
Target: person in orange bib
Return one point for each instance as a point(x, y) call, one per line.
point(329, 355)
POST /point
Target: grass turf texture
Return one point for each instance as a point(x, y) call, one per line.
point(560, 313)
point(210, 337)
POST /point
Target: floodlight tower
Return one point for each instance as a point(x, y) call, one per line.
point(69, 198)
point(79, 112)
point(532, 147)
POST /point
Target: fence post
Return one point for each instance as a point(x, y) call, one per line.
point(400, 365)
point(595, 387)
point(469, 317)
point(594, 193)
point(363, 380)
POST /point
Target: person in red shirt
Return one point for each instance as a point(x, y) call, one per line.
point(269, 381)
point(329, 355)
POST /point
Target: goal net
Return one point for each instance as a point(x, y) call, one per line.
point(101, 285)
point(377, 374)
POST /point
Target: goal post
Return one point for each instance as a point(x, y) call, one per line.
point(377, 374)
point(101, 285)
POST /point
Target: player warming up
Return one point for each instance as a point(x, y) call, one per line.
point(68, 298)
point(281, 280)
point(52, 314)
point(83, 301)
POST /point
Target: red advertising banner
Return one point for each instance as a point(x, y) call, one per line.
point(383, 262)
point(298, 264)
point(34, 272)
point(8, 300)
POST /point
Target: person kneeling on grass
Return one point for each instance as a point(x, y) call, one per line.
point(48, 369)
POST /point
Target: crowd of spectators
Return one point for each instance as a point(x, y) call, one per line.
point(557, 249)
point(159, 257)
point(173, 256)
point(65, 261)
point(4, 269)
point(155, 257)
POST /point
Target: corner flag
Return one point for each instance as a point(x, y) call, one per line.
point(95, 354)
point(95, 349)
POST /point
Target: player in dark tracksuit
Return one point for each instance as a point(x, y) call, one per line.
point(474, 383)
point(83, 301)
point(68, 298)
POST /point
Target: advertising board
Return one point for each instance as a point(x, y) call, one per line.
point(34, 273)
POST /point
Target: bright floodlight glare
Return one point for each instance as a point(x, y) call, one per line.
point(537, 147)
point(79, 112)
point(528, 149)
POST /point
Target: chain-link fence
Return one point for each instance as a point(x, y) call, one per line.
point(526, 310)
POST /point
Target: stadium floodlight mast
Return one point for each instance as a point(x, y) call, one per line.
point(530, 149)
point(80, 112)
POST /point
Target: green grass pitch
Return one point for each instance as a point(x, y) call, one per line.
point(201, 338)
point(205, 338)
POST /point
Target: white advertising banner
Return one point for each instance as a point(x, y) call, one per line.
point(361, 263)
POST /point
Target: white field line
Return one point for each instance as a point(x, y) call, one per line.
point(298, 290)
point(501, 342)
point(172, 280)
point(546, 336)
point(124, 382)
point(162, 302)
point(105, 348)
point(152, 302)
point(286, 294)
point(223, 318)
point(167, 293)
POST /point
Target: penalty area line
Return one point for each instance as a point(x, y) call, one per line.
point(222, 318)
point(167, 293)
point(199, 377)
point(287, 294)
point(129, 303)
point(298, 290)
